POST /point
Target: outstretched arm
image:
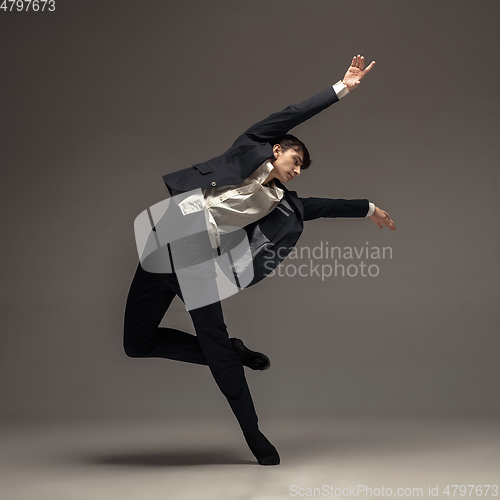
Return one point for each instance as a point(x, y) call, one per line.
point(281, 122)
point(316, 208)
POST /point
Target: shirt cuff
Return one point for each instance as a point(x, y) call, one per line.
point(371, 209)
point(340, 89)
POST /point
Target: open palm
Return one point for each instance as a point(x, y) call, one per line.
point(355, 73)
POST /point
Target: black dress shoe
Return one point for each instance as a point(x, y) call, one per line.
point(252, 359)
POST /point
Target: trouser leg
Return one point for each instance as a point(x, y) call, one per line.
point(211, 332)
point(148, 299)
point(224, 363)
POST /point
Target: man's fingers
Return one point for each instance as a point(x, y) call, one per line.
point(385, 220)
point(370, 67)
point(359, 62)
point(390, 224)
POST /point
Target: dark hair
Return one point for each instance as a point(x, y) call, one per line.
point(288, 141)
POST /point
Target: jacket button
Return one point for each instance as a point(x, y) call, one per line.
point(213, 183)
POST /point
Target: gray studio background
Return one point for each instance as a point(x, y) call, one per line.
point(99, 99)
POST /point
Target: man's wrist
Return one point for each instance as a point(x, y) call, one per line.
point(371, 209)
point(340, 89)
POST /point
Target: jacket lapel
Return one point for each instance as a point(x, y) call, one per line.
point(293, 207)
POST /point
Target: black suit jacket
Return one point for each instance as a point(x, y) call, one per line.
point(273, 237)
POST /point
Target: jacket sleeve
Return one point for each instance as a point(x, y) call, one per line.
point(314, 208)
point(280, 123)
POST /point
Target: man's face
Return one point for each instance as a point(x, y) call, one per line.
point(286, 163)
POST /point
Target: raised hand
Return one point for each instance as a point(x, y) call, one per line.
point(355, 73)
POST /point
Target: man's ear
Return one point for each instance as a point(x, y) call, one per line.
point(277, 150)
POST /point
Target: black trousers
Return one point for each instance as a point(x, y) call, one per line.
point(149, 297)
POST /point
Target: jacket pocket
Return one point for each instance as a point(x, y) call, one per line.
point(203, 168)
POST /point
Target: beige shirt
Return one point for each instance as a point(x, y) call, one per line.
point(238, 205)
point(244, 203)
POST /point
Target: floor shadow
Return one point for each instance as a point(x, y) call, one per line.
point(168, 459)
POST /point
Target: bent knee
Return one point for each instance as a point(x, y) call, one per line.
point(133, 350)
